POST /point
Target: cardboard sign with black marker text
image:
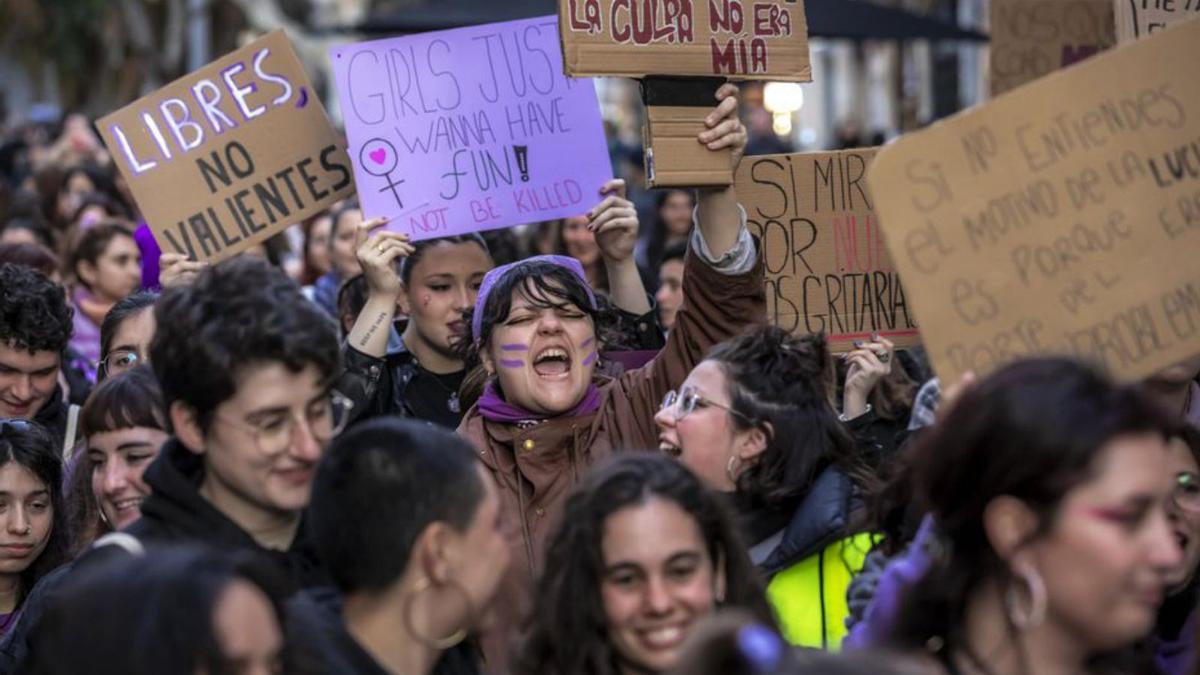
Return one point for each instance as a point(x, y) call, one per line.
point(1032, 38)
point(827, 268)
point(1063, 218)
point(227, 156)
point(1139, 18)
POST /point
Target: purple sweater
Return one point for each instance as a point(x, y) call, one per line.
point(900, 574)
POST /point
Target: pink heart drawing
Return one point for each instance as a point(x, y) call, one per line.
point(378, 156)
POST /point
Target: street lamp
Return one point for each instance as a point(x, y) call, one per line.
point(782, 99)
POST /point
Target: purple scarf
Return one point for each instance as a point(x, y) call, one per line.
point(495, 409)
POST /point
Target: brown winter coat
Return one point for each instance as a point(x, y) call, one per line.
point(536, 467)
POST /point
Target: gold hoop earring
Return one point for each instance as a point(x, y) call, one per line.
point(449, 641)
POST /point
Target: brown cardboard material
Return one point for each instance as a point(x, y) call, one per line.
point(227, 156)
point(1139, 18)
point(1031, 38)
point(738, 39)
point(674, 158)
point(827, 268)
point(1059, 219)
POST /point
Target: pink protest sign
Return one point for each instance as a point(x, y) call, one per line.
point(470, 129)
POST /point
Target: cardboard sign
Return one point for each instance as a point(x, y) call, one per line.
point(1139, 18)
point(1031, 38)
point(673, 158)
point(738, 39)
point(470, 129)
point(1063, 218)
point(231, 154)
point(827, 268)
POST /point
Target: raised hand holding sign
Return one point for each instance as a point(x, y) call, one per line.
point(225, 157)
point(470, 129)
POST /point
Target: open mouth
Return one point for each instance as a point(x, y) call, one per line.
point(669, 448)
point(552, 362)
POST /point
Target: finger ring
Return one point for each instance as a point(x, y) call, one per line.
point(884, 357)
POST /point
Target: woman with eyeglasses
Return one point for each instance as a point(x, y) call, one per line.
point(1175, 634)
point(125, 334)
point(754, 421)
point(33, 532)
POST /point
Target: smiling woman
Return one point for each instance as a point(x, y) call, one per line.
point(124, 425)
point(1050, 488)
point(644, 553)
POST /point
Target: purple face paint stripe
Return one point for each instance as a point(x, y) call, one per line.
point(591, 358)
point(587, 343)
point(512, 363)
point(515, 348)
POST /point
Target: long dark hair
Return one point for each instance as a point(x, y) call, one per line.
point(656, 237)
point(31, 446)
point(145, 615)
point(1033, 431)
point(777, 383)
point(308, 272)
point(567, 635)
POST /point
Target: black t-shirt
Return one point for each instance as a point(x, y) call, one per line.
point(434, 397)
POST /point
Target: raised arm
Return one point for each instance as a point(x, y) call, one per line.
point(377, 253)
point(717, 212)
point(364, 379)
point(615, 224)
point(723, 290)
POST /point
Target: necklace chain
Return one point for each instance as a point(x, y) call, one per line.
point(452, 403)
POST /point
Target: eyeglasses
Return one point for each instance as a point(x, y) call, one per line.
point(119, 361)
point(1186, 494)
point(324, 418)
point(686, 400)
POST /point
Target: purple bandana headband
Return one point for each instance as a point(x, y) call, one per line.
point(493, 277)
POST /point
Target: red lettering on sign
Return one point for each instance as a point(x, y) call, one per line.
point(738, 56)
point(641, 22)
point(590, 21)
point(726, 15)
point(772, 20)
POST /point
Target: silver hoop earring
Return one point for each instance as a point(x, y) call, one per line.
point(1033, 616)
point(103, 518)
point(729, 469)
